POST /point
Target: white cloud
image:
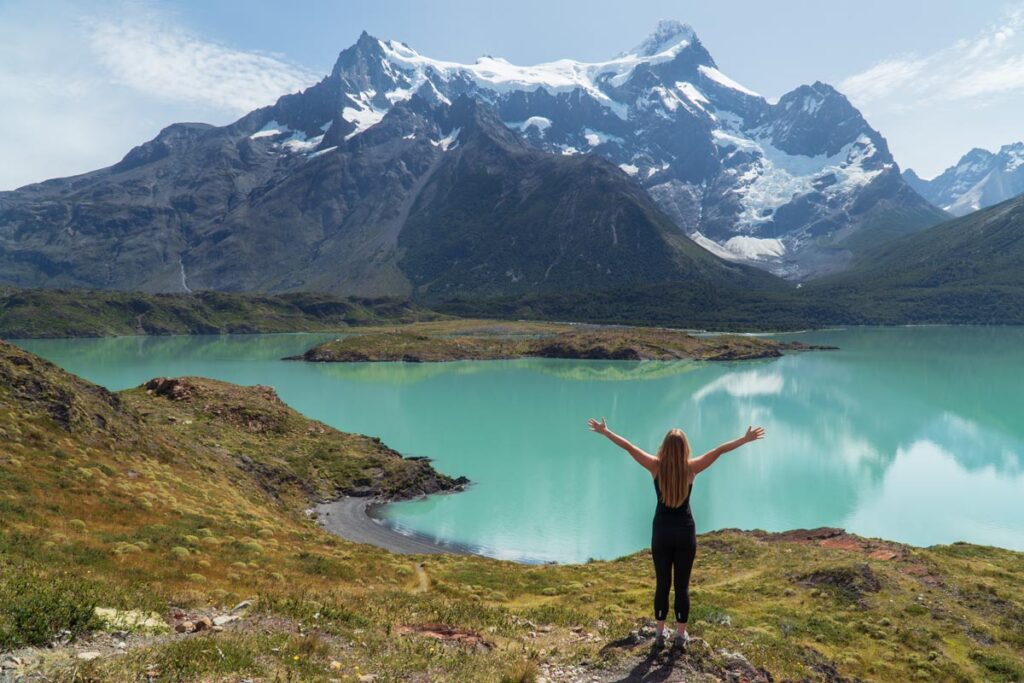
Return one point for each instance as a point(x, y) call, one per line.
point(935, 107)
point(79, 89)
point(882, 79)
point(156, 57)
point(987, 65)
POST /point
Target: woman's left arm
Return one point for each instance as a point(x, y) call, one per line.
point(698, 465)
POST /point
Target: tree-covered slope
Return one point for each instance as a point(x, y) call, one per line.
point(32, 313)
point(966, 270)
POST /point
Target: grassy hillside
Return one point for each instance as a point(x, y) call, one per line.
point(967, 270)
point(185, 500)
point(36, 313)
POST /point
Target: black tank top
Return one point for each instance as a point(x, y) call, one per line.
point(667, 514)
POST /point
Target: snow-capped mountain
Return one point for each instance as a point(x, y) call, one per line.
point(979, 179)
point(785, 185)
point(401, 174)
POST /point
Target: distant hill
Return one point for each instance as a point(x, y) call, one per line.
point(967, 270)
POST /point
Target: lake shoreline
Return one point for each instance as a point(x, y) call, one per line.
point(353, 518)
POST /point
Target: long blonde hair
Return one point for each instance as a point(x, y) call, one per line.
point(674, 468)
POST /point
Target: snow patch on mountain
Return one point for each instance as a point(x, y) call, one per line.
point(365, 115)
point(1015, 156)
point(300, 143)
point(723, 80)
point(286, 139)
point(713, 246)
point(450, 141)
point(596, 137)
point(692, 94)
point(755, 248)
point(968, 201)
point(774, 178)
point(742, 248)
point(271, 129)
point(321, 152)
point(541, 123)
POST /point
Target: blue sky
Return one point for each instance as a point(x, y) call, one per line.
point(82, 82)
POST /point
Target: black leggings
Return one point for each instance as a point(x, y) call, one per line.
point(673, 546)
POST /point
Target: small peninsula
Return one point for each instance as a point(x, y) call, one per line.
point(487, 340)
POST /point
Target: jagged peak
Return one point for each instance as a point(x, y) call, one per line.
point(975, 154)
point(366, 40)
point(667, 34)
point(826, 89)
point(818, 90)
point(809, 98)
point(365, 46)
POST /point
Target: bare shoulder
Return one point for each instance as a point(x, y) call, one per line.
point(651, 465)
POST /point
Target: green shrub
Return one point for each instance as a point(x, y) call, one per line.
point(33, 610)
point(998, 668)
point(127, 549)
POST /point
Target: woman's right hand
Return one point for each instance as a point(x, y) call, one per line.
point(599, 427)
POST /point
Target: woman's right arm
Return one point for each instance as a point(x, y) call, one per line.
point(648, 461)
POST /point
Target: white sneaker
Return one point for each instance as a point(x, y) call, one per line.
point(659, 640)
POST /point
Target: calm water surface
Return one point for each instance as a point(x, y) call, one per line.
point(912, 434)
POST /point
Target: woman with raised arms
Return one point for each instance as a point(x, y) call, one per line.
point(674, 536)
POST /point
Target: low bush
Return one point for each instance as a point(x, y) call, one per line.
point(34, 609)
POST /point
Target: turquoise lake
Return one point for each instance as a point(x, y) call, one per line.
point(911, 434)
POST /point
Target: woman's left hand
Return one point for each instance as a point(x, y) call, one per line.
point(599, 427)
point(754, 433)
